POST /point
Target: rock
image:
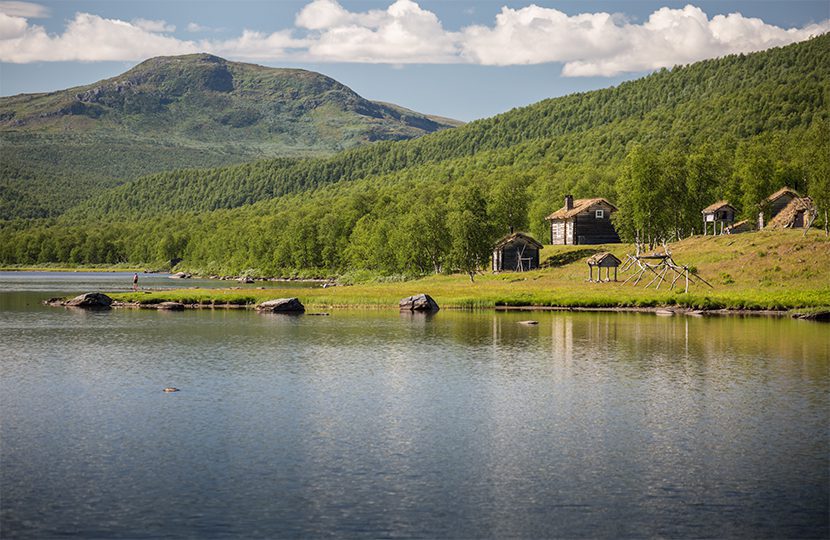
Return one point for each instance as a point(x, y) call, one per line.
point(171, 306)
point(170, 389)
point(245, 279)
point(529, 323)
point(282, 305)
point(820, 315)
point(55, 301)
point(180, 275)
point(93, 300)
point(664, 313)
point(419, 302)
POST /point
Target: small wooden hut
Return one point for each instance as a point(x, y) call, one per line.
point(583, 221)
point(798, 214)
point(605, 260)
point(517, 252)
point(775, 203)
point(720, 214)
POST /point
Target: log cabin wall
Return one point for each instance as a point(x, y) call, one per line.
point(591, 229)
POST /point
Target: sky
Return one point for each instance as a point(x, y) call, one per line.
point(461, 59)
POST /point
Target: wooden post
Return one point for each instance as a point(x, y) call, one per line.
point(687, 280)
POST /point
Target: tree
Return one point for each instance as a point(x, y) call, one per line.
point(509, 201)
point(470, 231)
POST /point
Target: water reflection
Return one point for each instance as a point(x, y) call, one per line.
point(378, 424)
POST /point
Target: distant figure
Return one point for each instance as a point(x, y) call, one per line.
point(135, 282)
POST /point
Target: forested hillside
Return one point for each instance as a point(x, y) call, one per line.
point(662, 148)
point(174, 112)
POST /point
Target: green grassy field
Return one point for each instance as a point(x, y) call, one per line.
point(766, 270)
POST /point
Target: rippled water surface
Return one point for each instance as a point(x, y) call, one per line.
point(374, 424)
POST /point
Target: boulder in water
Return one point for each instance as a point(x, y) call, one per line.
point(419, 302)
point(92, 300)
point(282, 305)
point(171, 306)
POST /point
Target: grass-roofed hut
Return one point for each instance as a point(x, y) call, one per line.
point(720, 214)
point(798, 214)
point(516, 252)
point(605, 260)
point(583, 221)
point(775, 203)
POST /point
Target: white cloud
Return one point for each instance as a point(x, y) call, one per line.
point(86, 38)
point(28, 10)
point(154, 26)
point(603, 44)
point(402, 34)
point(587, 44)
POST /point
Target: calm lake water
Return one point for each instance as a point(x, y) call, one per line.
point(375, 424)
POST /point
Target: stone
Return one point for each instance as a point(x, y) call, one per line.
point(245, 279)
point(171, 306)
point(93, 300)
point(180, 275)
point(170, 389)
point(418, 302)
point(529, 323)
point(282, 305)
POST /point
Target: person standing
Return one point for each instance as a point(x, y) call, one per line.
point(135, 281)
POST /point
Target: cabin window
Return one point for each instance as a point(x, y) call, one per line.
point(599, 214)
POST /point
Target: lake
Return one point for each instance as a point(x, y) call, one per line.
point(375, 424)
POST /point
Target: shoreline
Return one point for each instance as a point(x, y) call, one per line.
point(666, 311)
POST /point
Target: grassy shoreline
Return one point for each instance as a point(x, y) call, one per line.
point(767, 270)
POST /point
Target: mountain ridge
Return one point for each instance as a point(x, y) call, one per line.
point(186, 111)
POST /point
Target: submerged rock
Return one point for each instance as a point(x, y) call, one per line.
point(419, 302)
point(282, 305)
point(529, 323)
point(180, 275)
point(93, 300)
point(170, 389)
point(171, 306)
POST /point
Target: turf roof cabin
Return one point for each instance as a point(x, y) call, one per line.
point(516, 252)
point(721, 215)
point(583, 221)
point(774, 204)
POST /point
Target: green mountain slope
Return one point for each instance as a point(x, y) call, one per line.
point(176, 112)
point(716, 101)
point(735, 128)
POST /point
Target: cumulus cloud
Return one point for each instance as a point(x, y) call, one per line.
point(402, 34)
point(602, 44)
point(86, 38)
point(586, 44)
point(28, 10)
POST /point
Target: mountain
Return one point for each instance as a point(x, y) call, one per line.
point(175, 112)
point(662, 148)
point(719, 101)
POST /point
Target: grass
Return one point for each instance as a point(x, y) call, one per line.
point(794, 272)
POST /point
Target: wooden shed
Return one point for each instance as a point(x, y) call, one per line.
point(797, 214)
point(583, 221)
point(516, 252)
point(602, 260)
point(720, 214)
point(774, 204)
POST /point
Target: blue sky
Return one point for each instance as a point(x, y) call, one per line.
point(463, 59)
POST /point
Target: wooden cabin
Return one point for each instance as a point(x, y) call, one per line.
point(720, 214)
point(583, 221)
point(516, 252)
point(602, 260)
point(797, 214)
point(774, 204)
